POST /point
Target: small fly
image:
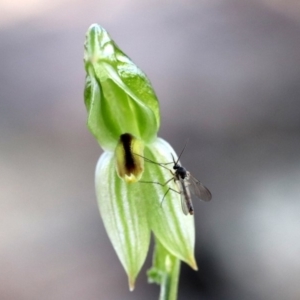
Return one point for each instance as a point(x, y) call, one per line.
point(185, 182)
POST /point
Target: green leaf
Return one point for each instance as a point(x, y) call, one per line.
point(118, 96)
point(124, 215)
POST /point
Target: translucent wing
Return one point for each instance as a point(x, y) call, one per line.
point(198, 189)
point(186, 200)
point(184, 205)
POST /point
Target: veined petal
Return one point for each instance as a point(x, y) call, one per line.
point(174, 230)
point(124, 215)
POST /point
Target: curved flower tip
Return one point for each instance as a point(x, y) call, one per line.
point(192, 263)
point(129, 161)
point(131, 283)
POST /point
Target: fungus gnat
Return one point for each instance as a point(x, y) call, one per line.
point(185, 182)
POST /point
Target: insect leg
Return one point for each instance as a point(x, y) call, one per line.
point(167, 193)
point(162, 184)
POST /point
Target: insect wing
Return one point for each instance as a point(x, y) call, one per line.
point(184, 205)
point(198, 189)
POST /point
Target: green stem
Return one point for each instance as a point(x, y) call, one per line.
point(169, 286)
point(165, 272)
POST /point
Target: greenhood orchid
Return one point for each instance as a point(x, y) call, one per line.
point(123, 116)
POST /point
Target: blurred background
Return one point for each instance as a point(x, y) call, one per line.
point(227, 74)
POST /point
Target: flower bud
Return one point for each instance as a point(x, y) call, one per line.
point(118, 96)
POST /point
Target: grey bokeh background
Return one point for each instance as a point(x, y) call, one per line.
point(227, 75)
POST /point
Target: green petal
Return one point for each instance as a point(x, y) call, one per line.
point(174, 230)
point(124, 215)
point(118, 95)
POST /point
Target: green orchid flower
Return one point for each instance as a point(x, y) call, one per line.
point(123, 115)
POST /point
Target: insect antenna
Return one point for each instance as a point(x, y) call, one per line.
point(180, 152)
point(174, 162)
point(154, 162)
